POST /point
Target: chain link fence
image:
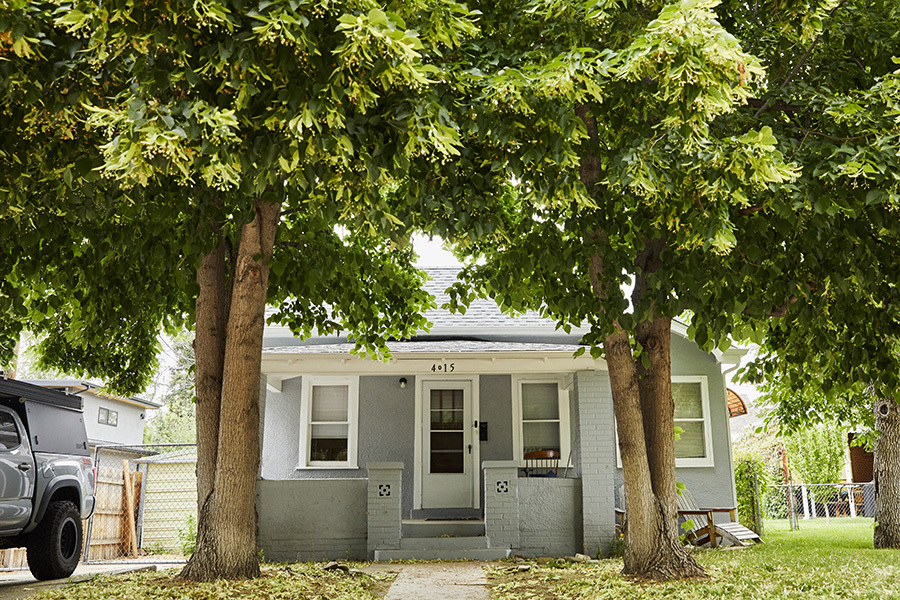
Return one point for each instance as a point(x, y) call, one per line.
point(818, 501)
point(146, 507)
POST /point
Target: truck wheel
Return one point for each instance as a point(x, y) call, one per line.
point(55, 544)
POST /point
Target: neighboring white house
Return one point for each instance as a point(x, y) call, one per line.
point(423, 456)
point(108, 419)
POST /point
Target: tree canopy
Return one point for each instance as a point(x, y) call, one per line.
point(724, 159)
point(186, 163)
point(731, 162)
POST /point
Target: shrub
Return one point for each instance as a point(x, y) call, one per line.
point(751, 477)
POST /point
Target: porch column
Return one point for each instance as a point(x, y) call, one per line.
point(501, 503)
point(384, 514)
point(595, 446)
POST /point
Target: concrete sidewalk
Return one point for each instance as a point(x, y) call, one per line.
point(438, 581)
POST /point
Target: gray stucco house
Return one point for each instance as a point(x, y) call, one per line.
point(423, 456)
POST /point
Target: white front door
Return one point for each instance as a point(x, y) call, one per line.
point(447, 444)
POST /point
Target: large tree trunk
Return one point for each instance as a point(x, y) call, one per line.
point(887, 474)
point(226, 541)
point(209, 352)
point(644, 410)
point(672, 560)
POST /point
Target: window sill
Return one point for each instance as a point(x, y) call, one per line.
point(692, 465)
point(325, 467)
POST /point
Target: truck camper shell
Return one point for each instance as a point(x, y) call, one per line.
point(54, 419)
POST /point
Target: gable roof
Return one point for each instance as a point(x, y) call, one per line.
point(483, 328)
point(483, 321)
point(482, 313)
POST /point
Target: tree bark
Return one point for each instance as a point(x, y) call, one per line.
point(227, 544)
point(209, 352)
point(644, 410)
point(670, 559)
point(887, 474)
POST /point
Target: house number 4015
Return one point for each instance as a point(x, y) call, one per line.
point(443, 367)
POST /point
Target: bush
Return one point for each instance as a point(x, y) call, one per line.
point(751, 477)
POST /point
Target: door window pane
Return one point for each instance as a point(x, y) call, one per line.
point(447, 462)
point(447, 419)
point(446, 399)
point(447, 437)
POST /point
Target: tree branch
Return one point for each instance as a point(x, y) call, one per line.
point(826, 136)
point(751, 209)
point(793, 73)
point(778, 105)
point(589, 171)
point(290, 211)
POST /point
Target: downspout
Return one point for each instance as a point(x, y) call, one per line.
point(728, 431)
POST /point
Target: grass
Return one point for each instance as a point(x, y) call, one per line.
point(820, 561)
point(278, 582)
point(823, 561)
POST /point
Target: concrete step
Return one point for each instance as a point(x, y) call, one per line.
point(443, 543)
point(446, 513)
point(416, 528)
point(444, 554)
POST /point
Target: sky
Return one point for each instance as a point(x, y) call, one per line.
point(432, 253)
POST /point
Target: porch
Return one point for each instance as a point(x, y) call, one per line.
point(319, 519)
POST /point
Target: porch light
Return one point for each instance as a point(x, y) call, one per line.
point(402, 382)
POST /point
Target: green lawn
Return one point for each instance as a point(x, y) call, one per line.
point(820, 560)
point(823, 560)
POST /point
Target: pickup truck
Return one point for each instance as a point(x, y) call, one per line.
point(46, 477)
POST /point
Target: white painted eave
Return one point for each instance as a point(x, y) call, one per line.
point(278, 331)
point(283, 365)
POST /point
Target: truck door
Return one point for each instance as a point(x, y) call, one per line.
point(17, 473)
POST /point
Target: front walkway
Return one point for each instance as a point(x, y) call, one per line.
point(438, 581)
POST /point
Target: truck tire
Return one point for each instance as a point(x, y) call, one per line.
point(55, 544)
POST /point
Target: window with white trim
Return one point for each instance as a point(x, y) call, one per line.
point(328, 430)
point(540, 416)
point(694, 446)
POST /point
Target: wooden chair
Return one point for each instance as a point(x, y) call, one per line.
point(542, 463)
point(706, 531)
